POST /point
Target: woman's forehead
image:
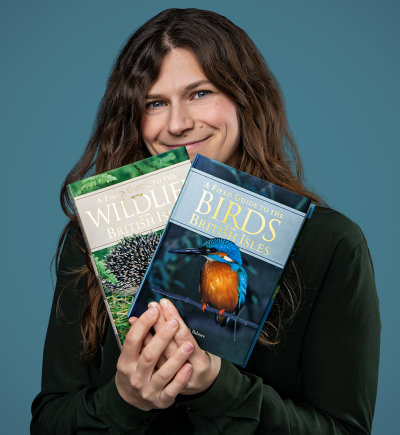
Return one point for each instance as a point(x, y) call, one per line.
point(180, 71)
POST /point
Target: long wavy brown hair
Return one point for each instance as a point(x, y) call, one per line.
point(229, 60)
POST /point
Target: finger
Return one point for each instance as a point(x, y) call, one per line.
point(172, 346)
point(161, 361)
point(198, 357)
point(145, 342)
point(137, 332)
point(182, 377)
point(183, 333)
point(157, 326)
point(168, 370)
point(161, 319)
point(151, 353)
point(146, 339)
point(132, 320)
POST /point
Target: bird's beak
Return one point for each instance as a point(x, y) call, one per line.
point(201, 251)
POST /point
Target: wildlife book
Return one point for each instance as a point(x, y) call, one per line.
point(122, 214)
point(222, 255)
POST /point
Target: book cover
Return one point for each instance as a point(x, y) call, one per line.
point(122, 214)
point(222, 255)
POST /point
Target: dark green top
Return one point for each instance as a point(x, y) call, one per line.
point(321, 379)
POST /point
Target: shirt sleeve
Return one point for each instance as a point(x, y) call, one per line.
point(71, 400)
point(339, 366)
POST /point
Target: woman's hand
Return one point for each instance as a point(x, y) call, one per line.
point(137, 380)
point(206, 366)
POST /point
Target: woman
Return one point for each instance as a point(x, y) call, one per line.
point(192, 78)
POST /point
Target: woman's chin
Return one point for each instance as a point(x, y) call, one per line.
point(203, 150)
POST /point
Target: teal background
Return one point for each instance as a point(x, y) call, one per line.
point(338, 65)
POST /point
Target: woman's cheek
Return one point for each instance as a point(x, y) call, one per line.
point(222, 114)
point(214, 115)
point(151, 127)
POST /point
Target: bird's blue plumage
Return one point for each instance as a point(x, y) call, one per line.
point(242, 286)
point(223, 245)
point(220, 291)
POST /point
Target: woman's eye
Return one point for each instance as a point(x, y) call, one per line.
point(202, 94)
point(154, 104)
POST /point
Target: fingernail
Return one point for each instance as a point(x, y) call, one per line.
point(153, 312)
point(164, 303)
point(152, 305)
point(187, 368)
point(172, 323)
point(188, 347)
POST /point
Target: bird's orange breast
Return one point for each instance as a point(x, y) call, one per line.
point(219, 286)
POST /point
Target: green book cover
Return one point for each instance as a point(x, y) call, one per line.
point(122, 214)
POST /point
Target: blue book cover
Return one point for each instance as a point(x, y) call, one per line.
point(222, 255)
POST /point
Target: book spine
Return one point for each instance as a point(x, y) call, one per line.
point(95, 271)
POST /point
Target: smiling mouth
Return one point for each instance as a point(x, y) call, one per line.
point(188, 145)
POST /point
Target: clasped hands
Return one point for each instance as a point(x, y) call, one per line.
point(153, 370)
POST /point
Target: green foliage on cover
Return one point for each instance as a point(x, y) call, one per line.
point(104, 273)
point(94, 183)
point(124, 173)
point(101, 253)
point(119, 306)
point(119, 302)
point(161, 161)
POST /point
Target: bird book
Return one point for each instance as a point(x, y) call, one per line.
point(122, 214)
point(222, 255)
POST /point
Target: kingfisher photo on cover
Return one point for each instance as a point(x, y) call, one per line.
point(222, 255)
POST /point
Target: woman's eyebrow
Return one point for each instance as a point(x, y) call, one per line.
point(186, 88)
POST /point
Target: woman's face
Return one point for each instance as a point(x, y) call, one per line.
point(184, 109)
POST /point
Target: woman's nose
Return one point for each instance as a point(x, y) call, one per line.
point(180, 120)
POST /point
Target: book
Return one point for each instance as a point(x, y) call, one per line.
point(222, 256)
point(122, 214)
